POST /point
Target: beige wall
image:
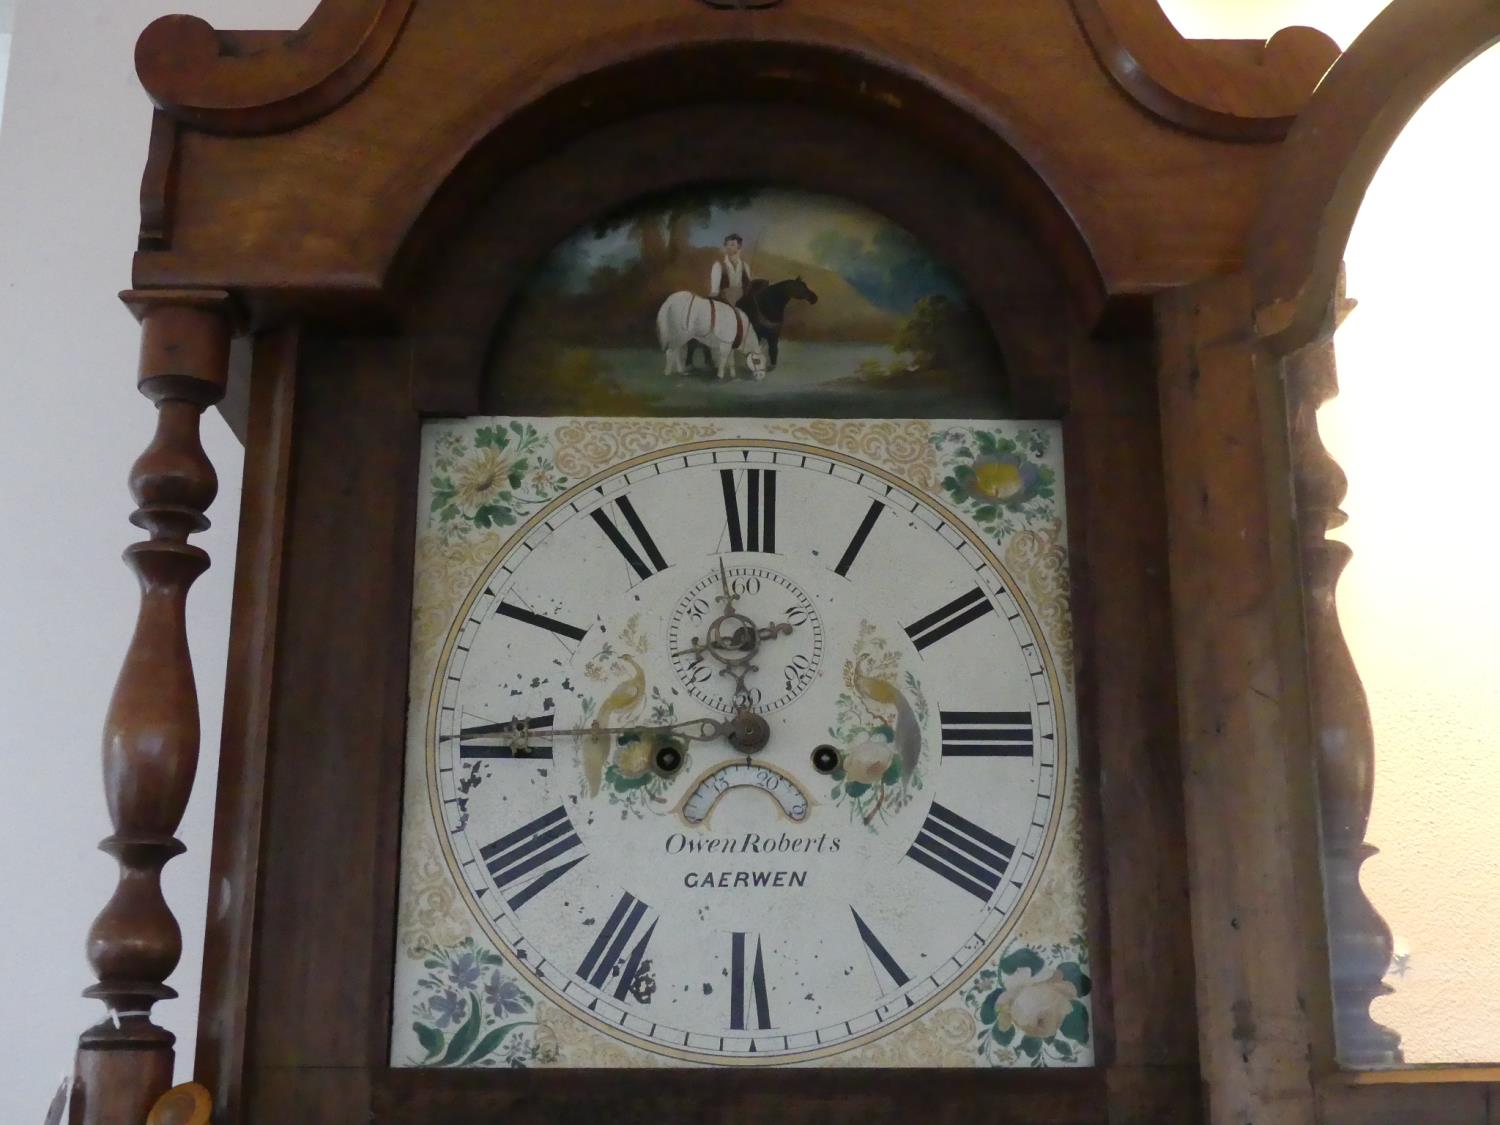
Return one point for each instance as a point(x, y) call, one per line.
point(1415, 430)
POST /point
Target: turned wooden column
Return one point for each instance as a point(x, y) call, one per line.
point(1359, 939)
point(150, 750)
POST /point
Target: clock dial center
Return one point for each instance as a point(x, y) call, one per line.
point(745, 638)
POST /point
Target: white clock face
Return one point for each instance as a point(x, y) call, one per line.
point(745, 751)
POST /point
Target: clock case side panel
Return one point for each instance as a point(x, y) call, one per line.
point(318, 1002)
point(299, 980)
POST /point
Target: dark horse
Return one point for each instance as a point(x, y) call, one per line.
point(765, 304)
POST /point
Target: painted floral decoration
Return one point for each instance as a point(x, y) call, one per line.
point(631, 780)
point(994, 477)
point(879, 728)
point(623, 768)
point(488, 479)
point(470, 1011)
point(1031, 1008)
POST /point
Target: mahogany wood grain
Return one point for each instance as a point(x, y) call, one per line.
point(795, 1097)
point(324, 212)
point(1126, 697)
point(258, 81)
point(319, 991)
point(247, 82)
point(1238, 90)
point(229, 937)
point(1247, 755)
point(1436, 1103)
point(151, 733)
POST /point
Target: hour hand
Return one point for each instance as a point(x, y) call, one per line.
point(692, 730)
point(739, 642)
point(502, 732)
point(746, 731)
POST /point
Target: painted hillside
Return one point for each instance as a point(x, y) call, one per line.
point(892, 331)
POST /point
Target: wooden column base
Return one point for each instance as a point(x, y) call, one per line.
point(123, 1079)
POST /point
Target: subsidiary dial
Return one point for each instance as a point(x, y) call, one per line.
point(745, 637)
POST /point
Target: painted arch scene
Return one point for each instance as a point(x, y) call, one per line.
point(747, 301)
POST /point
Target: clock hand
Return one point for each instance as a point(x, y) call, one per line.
point(741, 640)
point(745, 731)
point(727, 597)
point(502, 734)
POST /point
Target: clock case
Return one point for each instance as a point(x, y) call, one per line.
point(334, 222)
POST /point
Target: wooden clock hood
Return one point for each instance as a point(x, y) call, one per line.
point(1192, 200)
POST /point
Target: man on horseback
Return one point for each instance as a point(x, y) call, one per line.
point(730, 278)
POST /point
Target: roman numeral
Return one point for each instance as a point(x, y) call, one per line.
point(986, 734)
point(514, 739)
point(757, 530)
point(879, 952)
point(961, 852)
point(739, 994)
point(622, 544)
point(952, 617)
point(552, 625)
point(521, 858)
point(609, 947)
point(851, 552)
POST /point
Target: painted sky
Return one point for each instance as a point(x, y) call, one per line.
point(877, 257)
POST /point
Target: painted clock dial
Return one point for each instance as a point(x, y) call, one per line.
point(742, 750)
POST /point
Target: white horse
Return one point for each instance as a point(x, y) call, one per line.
point(720, 327)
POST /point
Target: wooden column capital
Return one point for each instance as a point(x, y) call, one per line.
point(185, 336)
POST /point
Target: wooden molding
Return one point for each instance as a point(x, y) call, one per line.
point(1338, 143)
point(1241, 90)
point(1247, 768)
point(245, 82)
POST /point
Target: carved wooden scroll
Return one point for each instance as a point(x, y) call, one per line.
point(250, 82)
point(1232, 89)
point(151, 729)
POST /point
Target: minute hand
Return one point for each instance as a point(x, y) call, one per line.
point(692, 730)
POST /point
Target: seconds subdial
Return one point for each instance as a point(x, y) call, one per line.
point(782, 657)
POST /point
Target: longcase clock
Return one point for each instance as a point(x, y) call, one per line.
point(769, 583)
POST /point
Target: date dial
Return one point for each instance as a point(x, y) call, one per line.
point(761, 655)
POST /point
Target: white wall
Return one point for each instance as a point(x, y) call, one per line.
point(71, 149)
